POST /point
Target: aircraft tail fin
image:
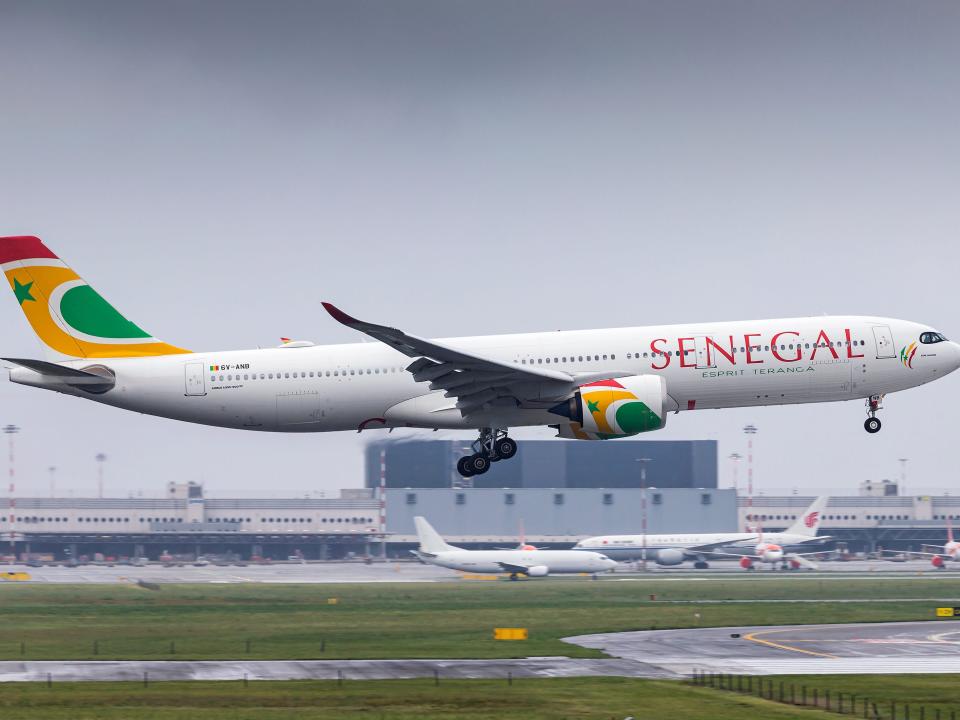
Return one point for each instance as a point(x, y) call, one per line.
point(69, 317)
point(809, 521)
point(430, 540)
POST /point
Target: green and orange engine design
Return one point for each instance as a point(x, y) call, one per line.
point(618, 408)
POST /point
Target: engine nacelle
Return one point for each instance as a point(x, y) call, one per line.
point(538, 571)
point(669, 556)
point(746, 563)
point(615, 408)
point(937, 562)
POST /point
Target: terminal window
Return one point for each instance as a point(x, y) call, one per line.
point(411, 498)
point(608, 498)
point(461, 499)
point(558, 499)
point(657, 499)
point(706, 499)
point(508, 498)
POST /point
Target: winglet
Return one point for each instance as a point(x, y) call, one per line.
point(339, 315)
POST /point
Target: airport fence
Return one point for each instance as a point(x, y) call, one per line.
point(804, 695)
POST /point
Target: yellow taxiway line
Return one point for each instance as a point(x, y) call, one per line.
point(752, 637)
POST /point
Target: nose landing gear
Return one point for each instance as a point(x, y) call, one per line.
point(492, 445)
point(872, 423)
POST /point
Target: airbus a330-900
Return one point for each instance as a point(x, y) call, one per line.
point(588, 384)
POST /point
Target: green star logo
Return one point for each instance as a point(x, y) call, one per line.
point(23, 291)
point(593, 406)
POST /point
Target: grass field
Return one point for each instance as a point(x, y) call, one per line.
point(546, 699)
point(437, 620)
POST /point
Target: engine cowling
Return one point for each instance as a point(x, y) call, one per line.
point(937, 561)
point(538, 571)
point(669, 556)
point(746, 563)
point(614, 408)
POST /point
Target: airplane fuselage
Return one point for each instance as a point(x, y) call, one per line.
point(365, 385)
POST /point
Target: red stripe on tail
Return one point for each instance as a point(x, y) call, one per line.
point(23, 247)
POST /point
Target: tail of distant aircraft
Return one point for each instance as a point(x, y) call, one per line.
point(809, 521)
point(430, 540)
point(71, 319)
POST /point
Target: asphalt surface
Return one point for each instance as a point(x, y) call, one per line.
point(866, 648)
point(915, 647)
point(156, 670)
point(357, 572)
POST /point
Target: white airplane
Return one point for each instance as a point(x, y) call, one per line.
point(939, 556)
point(768, 552)
point(588, 384)
point(674, 548)
point(532, 563)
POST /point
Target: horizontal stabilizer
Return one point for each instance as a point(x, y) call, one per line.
point(53, 373)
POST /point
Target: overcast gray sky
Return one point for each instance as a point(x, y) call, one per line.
point(216, 169)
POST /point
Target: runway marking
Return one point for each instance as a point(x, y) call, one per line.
point(752, 637)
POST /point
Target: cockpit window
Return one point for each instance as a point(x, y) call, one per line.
point(929, 338)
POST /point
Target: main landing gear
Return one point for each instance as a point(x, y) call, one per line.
point(872, 423)
point(492, 446)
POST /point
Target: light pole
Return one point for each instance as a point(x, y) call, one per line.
point(736, 458)
point(643, 509)
point(750, 431)
point(53, 480)
point(10, 431)
point(101, 459)
point(903, 475)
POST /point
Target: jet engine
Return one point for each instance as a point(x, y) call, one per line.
point(746, 563)
point(937, 562)
point(669, 556)
point(614, 408)
point(538, 571)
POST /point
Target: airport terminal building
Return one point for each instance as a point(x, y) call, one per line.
point(574, 494)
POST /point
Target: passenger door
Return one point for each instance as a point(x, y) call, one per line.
point(193, 379)
point(884, 341)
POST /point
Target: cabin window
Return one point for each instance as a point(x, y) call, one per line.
point(613, 357)
point(221, 378)
point(213, 378)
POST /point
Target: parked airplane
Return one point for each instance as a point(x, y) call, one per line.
point(532, 563)
point(674, 548)
point(939, 556)
point(588, 384)
point(768, 552)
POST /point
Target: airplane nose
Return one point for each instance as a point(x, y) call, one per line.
point(954, 356)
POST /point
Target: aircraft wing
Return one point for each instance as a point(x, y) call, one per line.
point(473, 380)
point(710, 547)
point(513, 567)
point(801, 560)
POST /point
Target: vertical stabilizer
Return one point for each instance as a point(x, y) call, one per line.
point(430, 540)
point(809, 521)
point(69, 317)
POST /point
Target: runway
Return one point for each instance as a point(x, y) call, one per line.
point(914, 647)
point(864, 648)
point(391, 571)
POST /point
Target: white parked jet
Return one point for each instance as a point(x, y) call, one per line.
point(673, 548)
point(532, 563)
point(588, 384)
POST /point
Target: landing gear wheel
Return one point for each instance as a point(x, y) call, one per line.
point(505, 448)
point(872, 425)
point(478, 463)
point(464, 468)
point(701, 565)
point(513, 576)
